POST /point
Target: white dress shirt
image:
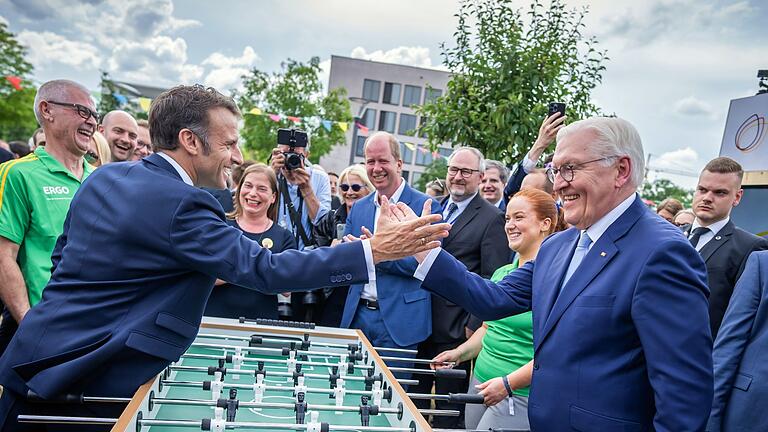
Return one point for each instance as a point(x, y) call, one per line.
point(709, 235)
point(460, 207)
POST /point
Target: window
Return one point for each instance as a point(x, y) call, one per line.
point(412, 95)
point(406, 154)
point(360, 146)
point(371, 90)
point(369, 118)
point(407, 124)
point(387, 121)
point(415, 177)
point(423, 156)
point(391, 94)
point(432, 94)
point(445, 152)
point(423, 122)
point(406, 174)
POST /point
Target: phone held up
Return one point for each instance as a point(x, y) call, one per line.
point(556, 107)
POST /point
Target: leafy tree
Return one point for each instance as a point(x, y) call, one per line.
point(506, 67)
point(660, 189)
point(293, 91)
point(110, 102)
point(17, 118)
point(438, 169)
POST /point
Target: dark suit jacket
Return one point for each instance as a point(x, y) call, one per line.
point(126, 299)
point(741, 370)
point(726, 255)
point(478, 240)
point(516, 176)
point(625, 346)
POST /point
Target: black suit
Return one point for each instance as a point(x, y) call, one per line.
point(478, 240)
point(726, 255)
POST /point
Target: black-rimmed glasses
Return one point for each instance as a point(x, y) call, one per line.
point(355, 187)
point(82, 110)
point(569, 170)
point(465, 172)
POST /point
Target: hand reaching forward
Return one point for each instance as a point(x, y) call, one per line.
point(399, 233)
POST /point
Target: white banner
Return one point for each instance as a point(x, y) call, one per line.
point(745, 133)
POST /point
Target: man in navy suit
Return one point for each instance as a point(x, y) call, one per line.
point(619, 301)
point(126, 299)
point(400, 315)
point(741, 373)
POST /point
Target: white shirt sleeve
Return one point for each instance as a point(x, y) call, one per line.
point(426, 265)
point(368, 252)
point(528, 164)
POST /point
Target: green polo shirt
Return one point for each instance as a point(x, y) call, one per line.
point(35, 192)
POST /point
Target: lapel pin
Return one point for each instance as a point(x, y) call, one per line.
point(602, 254)
point(718, 238)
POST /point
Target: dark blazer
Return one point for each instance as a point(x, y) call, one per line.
point(477, 239)
point(741, 370)
point(126, 299)
point(405, 307)
point(625, 346)
point(516, 176)
point(726, 255)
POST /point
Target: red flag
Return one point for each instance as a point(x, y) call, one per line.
point(275, 117)
point(363, 129)
point(293, 119)
point(15, 81)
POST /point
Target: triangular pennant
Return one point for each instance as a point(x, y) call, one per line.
point(15, 81)
point(275, 117)
point(343, 125)
point(410, 146)
point(327, 124)
point(144, 103)
point(255, 111)
point(122, 100)
point(363, 129)
point(293, 119)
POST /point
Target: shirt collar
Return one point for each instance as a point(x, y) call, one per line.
point(460, 206)
point(601, 226)
point(395, 196)
point(183, 174)
point(53, 165)
point(713, 228)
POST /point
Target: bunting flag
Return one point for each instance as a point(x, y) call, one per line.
point(343, 125)
point(122, 100)
point(293, 119)
point(423, 150)
point(410, 146)
point(144, 103)
point(255, 111)
point(363, 129)
point(275, 117)
point(327, 124)
point(15, 81)
point(435, 154)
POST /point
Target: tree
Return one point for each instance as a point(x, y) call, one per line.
point(506, 67)
point(17, 117)
point(438, 169)
point(113, 98)
point(294, 91)
point(660, 189)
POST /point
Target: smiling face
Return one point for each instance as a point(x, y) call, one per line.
point(350, 196)
point(492, 186)
point(121, 131)
point(525, 230)
point(66, 128)
point(459, 186)
point(143, 144)
point(214, 168)
point(256, 195)
point(715, 196)
point(383, 169)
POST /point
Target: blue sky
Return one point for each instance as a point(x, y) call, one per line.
point(674, 65)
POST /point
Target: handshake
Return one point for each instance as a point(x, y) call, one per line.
point(401, 233)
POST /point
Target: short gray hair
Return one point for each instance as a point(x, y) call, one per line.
point(498, 166)
point(54, 90)
point(615, 138)
point(474, 151)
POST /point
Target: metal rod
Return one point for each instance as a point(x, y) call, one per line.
point(440, 413)
point(284, 389)
point(96, 399)
point(399, 350)
point(250, 360)
point(259, 425)
point(271, 373)
point(412, 370)
point(278, 341)
point(417, 361)
point(25, 418)
point(408, 381)
point(247, 404)
point(278, 351)
point(428, 396)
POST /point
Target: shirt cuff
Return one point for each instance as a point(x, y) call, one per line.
point(528, 164)
point(426, 265)
point(368, 252)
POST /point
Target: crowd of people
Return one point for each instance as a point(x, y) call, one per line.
point(572, 305)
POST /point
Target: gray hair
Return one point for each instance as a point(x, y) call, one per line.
point(474, 151)
point(615, 138)
point(56, 90)
point(503, 170)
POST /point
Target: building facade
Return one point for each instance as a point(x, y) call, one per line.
point(383, 94)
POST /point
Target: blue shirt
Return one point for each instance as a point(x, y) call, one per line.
point(322, 188)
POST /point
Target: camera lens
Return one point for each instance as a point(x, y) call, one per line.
point(292, 161)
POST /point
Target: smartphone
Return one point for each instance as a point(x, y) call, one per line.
point(556, 107)
point(340, 231)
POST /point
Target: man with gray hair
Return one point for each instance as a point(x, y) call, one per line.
point(35, 192)
point(492, 184)
point(122, 133)
point(619, 300)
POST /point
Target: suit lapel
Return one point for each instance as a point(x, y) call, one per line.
point(721, 238)
point(553, 279)
point(464, 218)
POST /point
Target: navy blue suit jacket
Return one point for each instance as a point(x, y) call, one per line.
point(741, 371)
point(626, 345)
point(133, 270)
point(405, 308)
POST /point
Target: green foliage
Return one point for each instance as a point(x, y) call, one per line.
point(438, 169)
point(660, 189)
point(506, 67)
point(109, 102)
point(17, 118)
point(293, 91)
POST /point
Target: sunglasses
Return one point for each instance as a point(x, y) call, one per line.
point(355, 187)
point(82, 110)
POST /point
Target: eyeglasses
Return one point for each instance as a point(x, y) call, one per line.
point(355, 187)
point(82, 110)
point(568, 171)
point(465, 172)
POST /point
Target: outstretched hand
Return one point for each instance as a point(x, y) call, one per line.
point(400, 233)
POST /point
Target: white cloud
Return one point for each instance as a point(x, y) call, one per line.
point(693, 107)
point(160, 60)
point(411, 56)
point(684, 159)
point(325, 73)
point(48, 48)
point(227, 71)
point(3, 20)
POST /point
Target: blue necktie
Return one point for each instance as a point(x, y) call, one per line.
point(451, 210)
point(578, 256)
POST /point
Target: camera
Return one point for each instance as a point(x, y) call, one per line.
point(556, 107)
point(292, 138)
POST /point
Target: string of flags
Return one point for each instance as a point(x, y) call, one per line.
point(14, 81)
point(327, 124)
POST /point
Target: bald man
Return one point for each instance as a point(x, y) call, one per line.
point(122, 133)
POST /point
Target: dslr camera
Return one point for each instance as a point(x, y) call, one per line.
point(292, 138)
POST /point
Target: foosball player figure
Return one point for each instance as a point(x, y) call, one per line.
point(365, 411)
point(300, 407)
point(230, 405)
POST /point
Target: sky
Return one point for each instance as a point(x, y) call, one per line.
point(674, 65)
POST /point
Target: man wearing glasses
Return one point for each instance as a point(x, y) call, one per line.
point(35, 192)
point(619, 301)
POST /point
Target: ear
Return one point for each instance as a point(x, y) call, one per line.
point(101, 129)
point(624, 168)
point(189, 142)
point(739, 194)
point(545, 225)
point(45, 111)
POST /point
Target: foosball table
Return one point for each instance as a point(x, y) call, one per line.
point(263, 375)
